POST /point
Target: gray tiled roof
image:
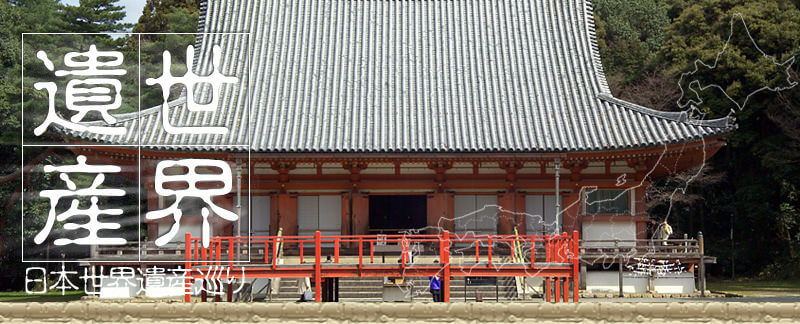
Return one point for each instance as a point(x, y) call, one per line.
point(418, 76)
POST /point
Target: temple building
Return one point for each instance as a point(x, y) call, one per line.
point(364, 117)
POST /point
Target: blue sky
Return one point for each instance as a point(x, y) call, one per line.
point(133, 8)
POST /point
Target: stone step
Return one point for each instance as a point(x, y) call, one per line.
point(380, 285)
point(343, 285)
point(364, 289)
point(420, 296)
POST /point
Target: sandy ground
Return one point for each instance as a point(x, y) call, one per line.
point(626, 311)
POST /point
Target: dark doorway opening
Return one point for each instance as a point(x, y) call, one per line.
point(395, 214)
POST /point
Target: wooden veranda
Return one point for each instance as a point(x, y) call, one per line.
point(554, 257)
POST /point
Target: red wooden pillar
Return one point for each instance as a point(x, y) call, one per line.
point(273, 215)
point(360, 211)
point(187, 279)
point(575, 265)
point(346, 215)
point(317, 266)
point(548, 286)
point(287, 213)
point(444, 255)
point(440, 210)
point(505, 216)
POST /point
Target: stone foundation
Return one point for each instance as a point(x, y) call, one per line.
point(162, 312)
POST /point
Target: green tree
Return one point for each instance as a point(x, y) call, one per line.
point(759, 161)
point(630, 34)
point(17, 17)
point(168, 16)
point(163, 16)
point(95, 16)
point(34, 16)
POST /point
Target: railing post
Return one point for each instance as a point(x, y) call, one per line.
point(204, 255)
point(441, 247)
point(513, 251)
point(548, 286)
point(490, 250)
point(547, 244)
point(702, 282)
point(187, 279)
point(576, 265)
point(564, 247)
point(557, 249)
point(533, 251)
point(685, 243)
point(274, 252)
point(446, 262)
point(619, 263)
point(219, 252)
point(317, 266)
point(477, 251)
point(266, 251)
point(230, 252)
point(403, 251)
point(360, 254)
point(230, 266)
point(336, 250)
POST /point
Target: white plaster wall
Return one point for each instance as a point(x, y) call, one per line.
point(681, 283)
point(307, 215)
point(540, 215)
point(330, 214)
point(618, 230)
point(260, 215)
point(323, 213)
point(173, 286)
point(112, 288)
point(608, 281)
point(476, 214)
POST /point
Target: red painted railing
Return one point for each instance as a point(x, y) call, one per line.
point(559, 264)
